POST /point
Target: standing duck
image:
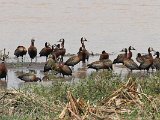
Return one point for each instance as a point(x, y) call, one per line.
point(128, 62)
point(140, 58)
point(156, 61)
point(51, 63)
point(46, 51)
point(58, 67)
point(74, 59)
point(64, 69)
point(61, 52)
point(29, 77)
point(32, 50)
point(121, 57)
point(146, 61)
point(3, 69)
point(20, 51)
point(85, 53)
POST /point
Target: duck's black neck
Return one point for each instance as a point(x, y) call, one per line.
point(32, 43)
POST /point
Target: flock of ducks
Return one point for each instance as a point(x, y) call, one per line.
point(57, 51)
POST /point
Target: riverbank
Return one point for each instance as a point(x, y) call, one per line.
point(134, 97)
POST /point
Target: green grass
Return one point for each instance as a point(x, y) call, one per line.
point(46, 102)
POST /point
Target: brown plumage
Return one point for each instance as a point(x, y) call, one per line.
point(29, 77)
point(104, 55)
point(146, 61)
point(3, 69)
point(128, 62)
point(85, 53)
point(20, 51)
point(103, 64)
point(50, 64)
point(120, 57)
point(74, 59)
point(146, 64)
point(140, 58)
point(46, 51)
point(64, 69)
point(60, 51)
point(58, 67)
point(156, 61)
point(32, 50)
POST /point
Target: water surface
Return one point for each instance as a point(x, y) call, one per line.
point(108, 25)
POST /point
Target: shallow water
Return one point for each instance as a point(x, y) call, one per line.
point(80, 71)
point(108, 25)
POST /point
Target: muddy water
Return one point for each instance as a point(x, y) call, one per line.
point(108, 25)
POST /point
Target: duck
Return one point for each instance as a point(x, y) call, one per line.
point(29, 77)
point(59, 51)
point(64, 69)
point(46, 50)
point(156, 61)
point(3, 69)
point(104, 55)
point(58, 67)
point(97, 65)
point(51, 63)
point(85, 53)
point(146, 61)
point(140, 58)
point(74, 59)
point(128, 62)
point(104, 63)
point(120, 57)
point(32, 50)
point(20, 51)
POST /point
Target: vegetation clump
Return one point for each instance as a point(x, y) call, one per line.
point(102, 95)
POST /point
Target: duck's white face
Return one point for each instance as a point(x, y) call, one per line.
point(151, 49)
point(32, 40)
point(48, 44)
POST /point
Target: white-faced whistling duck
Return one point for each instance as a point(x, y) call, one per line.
point(20, 51)
point(32, 50)
point(146, 61)
point(104, 55)
point(121, 57)
point(3, 69)
point(64, 69)
point(74, 59)
point(156, 61)
point(58, 67)
point(128, 62)
point(29, 77)
point(97, 65)
point(61, 51)
point(46, 51)
point(50, 64)
point(101, 64)
point(85, 53)
point(140, 58)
